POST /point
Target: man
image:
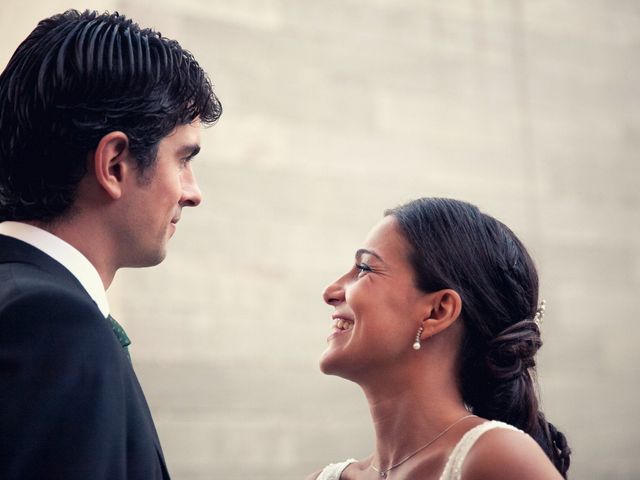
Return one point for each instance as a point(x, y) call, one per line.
point(99, 120)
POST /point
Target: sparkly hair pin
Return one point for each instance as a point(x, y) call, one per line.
point(539, 314)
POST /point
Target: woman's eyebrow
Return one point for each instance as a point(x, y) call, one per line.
point(363, 251)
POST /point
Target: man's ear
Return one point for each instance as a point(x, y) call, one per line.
point(110, 163)
point(445, 307)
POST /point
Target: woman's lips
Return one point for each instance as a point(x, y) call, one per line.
point(340, 326)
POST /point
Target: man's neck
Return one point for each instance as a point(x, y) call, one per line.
point(87, 241)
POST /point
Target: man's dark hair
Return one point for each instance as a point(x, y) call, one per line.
point(74, 79)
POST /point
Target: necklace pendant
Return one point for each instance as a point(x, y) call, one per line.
point(383, 474)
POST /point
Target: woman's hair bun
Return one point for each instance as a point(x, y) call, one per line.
point(512, 352)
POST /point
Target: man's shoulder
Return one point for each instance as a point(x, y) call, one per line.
point(44, 321)
point(33, 300)
point(26, 283)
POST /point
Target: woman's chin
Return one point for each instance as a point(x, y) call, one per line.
point(330, 362)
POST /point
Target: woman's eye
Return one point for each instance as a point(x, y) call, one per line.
point(362, 269)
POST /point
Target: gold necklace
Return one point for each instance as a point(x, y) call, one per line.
point(383, 473)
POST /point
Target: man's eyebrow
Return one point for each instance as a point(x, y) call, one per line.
point(189, 151)
point(364, 251)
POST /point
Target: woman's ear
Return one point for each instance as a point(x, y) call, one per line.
point(445, 307)
point(109, 162)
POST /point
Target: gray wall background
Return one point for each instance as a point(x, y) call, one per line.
point(336, 110)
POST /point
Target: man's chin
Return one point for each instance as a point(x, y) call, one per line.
point(150, 259)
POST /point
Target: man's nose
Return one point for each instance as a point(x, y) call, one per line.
point(191, 194)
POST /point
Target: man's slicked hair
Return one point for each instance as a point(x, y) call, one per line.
point(74, 79)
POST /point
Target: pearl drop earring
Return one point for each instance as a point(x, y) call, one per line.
point(417, 345)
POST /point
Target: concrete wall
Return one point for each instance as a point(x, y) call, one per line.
point(336, 110)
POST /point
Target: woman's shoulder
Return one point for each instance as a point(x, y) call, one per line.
point(499, 451)
point(313, 476)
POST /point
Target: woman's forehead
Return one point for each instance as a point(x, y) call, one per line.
point(386, 240)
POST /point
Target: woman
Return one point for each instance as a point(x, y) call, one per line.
point(437, 321)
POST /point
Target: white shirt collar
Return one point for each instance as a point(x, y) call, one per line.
point(64, 253)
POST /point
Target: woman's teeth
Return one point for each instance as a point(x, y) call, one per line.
point(343, 324)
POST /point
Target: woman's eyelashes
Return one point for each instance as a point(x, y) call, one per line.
point(362, 269)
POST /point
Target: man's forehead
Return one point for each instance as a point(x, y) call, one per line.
point(186, 134)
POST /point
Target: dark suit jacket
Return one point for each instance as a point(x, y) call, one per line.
point(71, 406)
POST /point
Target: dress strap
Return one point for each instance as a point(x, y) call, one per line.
point(453, 469)
point(334, 470)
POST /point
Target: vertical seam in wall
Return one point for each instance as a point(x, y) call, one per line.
point(524, 119)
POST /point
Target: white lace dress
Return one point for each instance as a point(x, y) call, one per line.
point(453, 469)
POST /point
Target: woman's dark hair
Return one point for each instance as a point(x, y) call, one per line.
point(454, 245)
point(74, 79)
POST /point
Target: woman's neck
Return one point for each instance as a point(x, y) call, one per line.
point(408, 414)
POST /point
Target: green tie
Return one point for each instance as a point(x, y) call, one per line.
point(120, 335)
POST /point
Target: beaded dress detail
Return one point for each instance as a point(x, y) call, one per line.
point(334, 470)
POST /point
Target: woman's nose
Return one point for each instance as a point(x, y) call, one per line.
point(334, 293)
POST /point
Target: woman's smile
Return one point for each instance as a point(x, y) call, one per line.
point(340, 326)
